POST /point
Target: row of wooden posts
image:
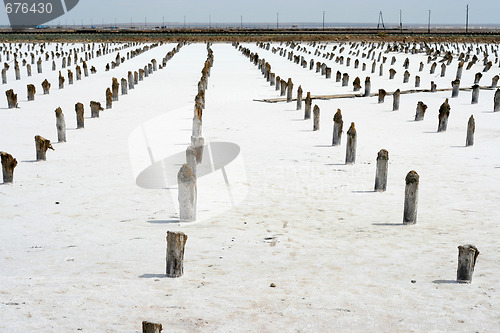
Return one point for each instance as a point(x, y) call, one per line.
point(42, 145)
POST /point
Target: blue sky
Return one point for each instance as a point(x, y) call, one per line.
point(229, 11)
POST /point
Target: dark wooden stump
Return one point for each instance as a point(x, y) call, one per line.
point(338, 124)
point(307, 108)
point(187, 194)
point(471, 128)
point(444, 113)
point(95, 108)
point(61, 81)
point(109, 99)
point(299, 98)
point(316, 118)
point(70, 77)
point(124, 86)
point(11, 99)
point(79, 115)
point(31, 92)
point(455, 85)
point(381, 95)
point(289, 91)
point(368, 86)
point(467, 256)
point(148, 327)
point(130, 77)
point(411, 198)
point(392, 73)
point(350, 156)
point(114, 89)
point(356, 84)
point(345, 80)
point(420, 112)
point(433, 86)
point(42, 145)
point(395, 100)
point(8, 165)
point(475, 94)
point(406, 77)
point(46, 87)
point(382, 168)
point(496, 101)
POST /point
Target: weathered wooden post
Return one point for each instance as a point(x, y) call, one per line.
point(16, 70)
point(60, 125)
point(316, 118)
point(4, 76)
point(477, 78)
point(278, 83)
point(136, 78)
point(395, 100)
point(28, 70)
point(444, 113)
point(42, 145)
point(307, 109)
point(406, 76)
point(433, 86)
point(338, 125)
point(61, 81)
point(299, 98)
point(46, 87)
point(282, 87)
point(356, 84)
point(11, 99)
point(79, 115)
point(381, 95)
point(114, 88)
point(411, 198)
point(368, 86)
point(345, 80)
point(148, 327)
point(272, 79)
point(496, 101)
point(455, 85)
point(187, 194)
point(338, 76)
point(95, 108)
point(392, 72)
point(53, 65)
point(475, 94)
point(443, 70)
point(85, 69)
point(494, 81)
point(198, 143)
point(70, 77)
point(289, 91)
point(381, 173)
point(350, 156)
point(467, 256)
point(381, 70)
point(460, 69)
point(420, 113)
point(417, 81)
point(109, 98)
point(191, 159)
point(141, 74)
point(471, 128)
point(8, 165)
point(124, 86)
point(130, 77)
point(39, 66)
point(31, 92)
point(421, 67)
point(176, 242)
point(433, 68)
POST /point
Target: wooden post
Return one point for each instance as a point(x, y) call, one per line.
point(78, 72)
point(85, 69)
point(136, 78)
point(198, 143)
point(467, 256)
point(148, 327)
point(395, 100)
point(4, 76)
point(17, 71)
point(455, 88)
point(460, 68)
point(8, 165)
point(95, 108)
point(61, 81)
point(420, 113)
point(278, 83)
point(109, 98)
point(42, 145)
point(411, 198)
point(11, 99)
point(433, 86)
point(299, 98)
point(197, 120)
point(382, 167)
point(338, 124)
point(289, 91)
point(381, 70)
point(31, 92)
point(496, 101)
point(494, 81)
point(444, 113)
point(46, 87)
point(191, 159)
point(381, 95)
point(28, 70)
point(60, 125)
point(471, 128)
point(417, 81)
point(307, 109)
point(356, 84)
point(70, 77)
point(114, 89)
point(79, 115)
point(187, 194)
point(345, 80)
point(316, 118)
point(282, 87)
point(477, 78)
point(368, 86)
point(350, 156)
point(338, 76)
point(475, 94)
point(176, 242)
point(141, 74)
point(124, 86)
point(130, 76)
point(433, 68)
point(443, 70)
point(406, 76)
point(392, 73)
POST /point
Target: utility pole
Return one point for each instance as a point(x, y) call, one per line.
point(429, 23)
point(162, 21)
point(209, 21)
point(467, 20)
point(401, 20)
point(184, 21)
point(323, 20)
point(241, 21)
point(277, 20)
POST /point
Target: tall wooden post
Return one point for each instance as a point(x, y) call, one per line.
point(350, 156)
point(289, 91)
point(381, 95)
point(109, 98)
point(368, 86)
point(60, 125)
point(299, 98)
point(46, 87)
point(31, 92)
point(176, 242)
point(187, 194)
point(95, 108)
point(471, 128)
point(382, 168)
point(395, 100)
point(411, 198)
point(307, 109)
point(338, 123)
point(444, 113)
point(114, 89)
point(79, 115)
point(475, 94)
point(316, 118)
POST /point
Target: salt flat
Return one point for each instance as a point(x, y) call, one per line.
point(83, 246)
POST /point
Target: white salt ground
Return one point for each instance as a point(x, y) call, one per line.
point(83, 246)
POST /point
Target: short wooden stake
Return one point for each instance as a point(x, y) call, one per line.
point(316, 118)
point(95, 108)
point(411, 198)
point(60, 125)
point(42, 145)
point(187, 194)
point(114, 89)
point(338, 123)
point(475, 94)
point(8, 165)
point(395, 100)
point(381, 95)
point(109, 98)
point(289, 91)
point(350, 156)
point(176, 242)
point(420, 112)
point(444, 113)
point(299, 98)
point(455, 85)
point(471, 128)
point(307, 108)
point(368, 86)
point(148, 327)
point(467, 256)
point(31, 92)
point(46, 87)
point(382, 168)
point(79, 115)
